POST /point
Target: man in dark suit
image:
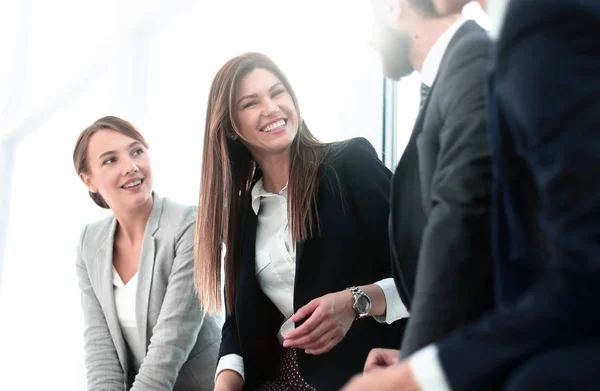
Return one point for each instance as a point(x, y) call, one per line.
point(440, 214)
point(545, 136)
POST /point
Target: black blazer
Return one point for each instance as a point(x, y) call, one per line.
point(440, 219)
point(545, 137)
point(353, 249)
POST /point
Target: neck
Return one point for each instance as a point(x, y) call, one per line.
point(275, 170)
point(426, 34)
point(132, 222)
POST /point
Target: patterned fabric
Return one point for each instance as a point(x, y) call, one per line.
point(424, 93)
point(287, 377)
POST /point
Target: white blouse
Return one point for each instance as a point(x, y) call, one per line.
point(125, 295)
point(275, 267)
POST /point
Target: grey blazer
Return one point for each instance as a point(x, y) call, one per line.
point(181, 341)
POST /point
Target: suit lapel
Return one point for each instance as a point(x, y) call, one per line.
point(299, 252)
point(409, 159)
point(104, 285)
point(468, 27)
point(247, 283)
point(146, 269)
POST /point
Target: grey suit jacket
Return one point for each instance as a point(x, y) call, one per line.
point(440, 226)
point(181, 341)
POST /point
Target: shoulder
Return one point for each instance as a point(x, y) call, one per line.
point(463, 71)
point(523, 15)
point(176, 217)
point(352, 159)
point(94, 234)
point(462, 55)
point(351, 150)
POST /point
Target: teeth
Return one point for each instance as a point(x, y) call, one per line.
point(132, 184)
point(273, 126)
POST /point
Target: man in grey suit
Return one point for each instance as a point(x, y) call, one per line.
point(440, 212)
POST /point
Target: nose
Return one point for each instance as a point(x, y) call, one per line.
point(130, 167)
point(270, 108)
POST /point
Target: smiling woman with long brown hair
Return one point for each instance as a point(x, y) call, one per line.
point(304, 226)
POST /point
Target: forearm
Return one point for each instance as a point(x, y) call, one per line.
point(378, 302)
point(174, 336)
point(103, 369)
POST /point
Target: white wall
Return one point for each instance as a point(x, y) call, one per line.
point(147, 62)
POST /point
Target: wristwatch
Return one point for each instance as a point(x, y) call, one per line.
point(362, 302)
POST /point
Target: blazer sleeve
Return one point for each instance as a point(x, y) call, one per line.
point(455, 254)
point(178, 323)
point(230, 343)
point(552, 110)
point(103, 369)
point(368, 182)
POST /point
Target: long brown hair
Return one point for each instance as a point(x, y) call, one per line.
point(228, 173)
point(80, 160)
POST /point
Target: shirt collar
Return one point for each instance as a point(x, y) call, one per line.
point(432, 62)
point(258, 191)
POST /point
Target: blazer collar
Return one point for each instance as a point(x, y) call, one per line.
point(465, 27)
point(146, 269)
point(105, 293)
point(104, 264)
point(433, 60)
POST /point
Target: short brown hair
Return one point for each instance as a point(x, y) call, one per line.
point(425, 7)
point(81, 146)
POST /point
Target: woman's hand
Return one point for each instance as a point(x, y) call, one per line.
point(229, 380)
point(329, 319)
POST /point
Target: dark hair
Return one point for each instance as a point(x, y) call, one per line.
point(426, 7)
point(80, 160)
point(228, 173)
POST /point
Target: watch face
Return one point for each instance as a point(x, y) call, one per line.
point(363, 305)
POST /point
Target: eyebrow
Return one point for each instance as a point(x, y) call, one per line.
point(112, 152)
point(278, 84)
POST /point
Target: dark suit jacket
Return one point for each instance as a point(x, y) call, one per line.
point(440, 219)
point(353, 249)
point(545, 132)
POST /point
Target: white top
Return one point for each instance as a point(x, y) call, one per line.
point(427, 370)
point(125, 295)
point(496, 9)
point(276, 267)
point(432, 62)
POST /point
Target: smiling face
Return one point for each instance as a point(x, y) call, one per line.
point(119, 169)
point(265, 116)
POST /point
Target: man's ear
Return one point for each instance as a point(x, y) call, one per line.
point(394, 11)
point(87, 180)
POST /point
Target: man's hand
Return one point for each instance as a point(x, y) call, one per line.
point(381, 358)
point(394, 378)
